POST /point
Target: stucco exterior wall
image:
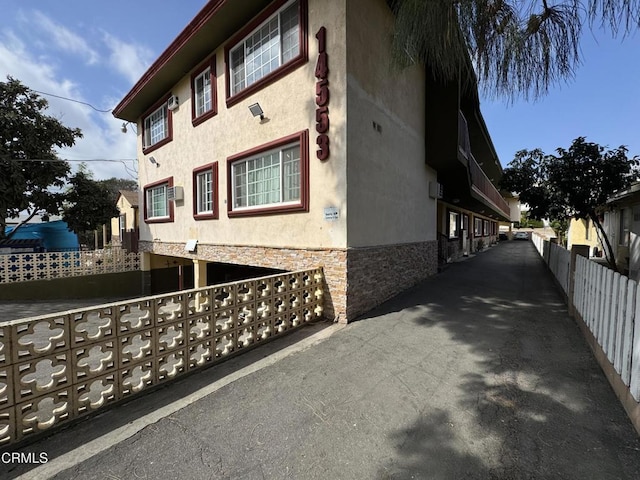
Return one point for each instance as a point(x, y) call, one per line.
point(289, 106)
point(384, 237)
point(578, 235)
point(388, 180)
point(130, 214)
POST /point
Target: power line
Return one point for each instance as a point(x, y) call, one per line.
point(131, 171)
point(73, 100)
point(116, 160)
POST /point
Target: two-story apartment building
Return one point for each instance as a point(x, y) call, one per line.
point(278, 135)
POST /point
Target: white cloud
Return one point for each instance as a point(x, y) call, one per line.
point(102, 138)
point(63, 38)
point(130, 60)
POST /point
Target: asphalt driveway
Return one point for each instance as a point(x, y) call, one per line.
point(477, 373)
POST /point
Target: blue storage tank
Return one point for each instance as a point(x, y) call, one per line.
point(55, 235)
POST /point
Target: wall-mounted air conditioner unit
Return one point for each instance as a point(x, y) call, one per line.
point(175, 193)
point(172, 103)
point(436, 190)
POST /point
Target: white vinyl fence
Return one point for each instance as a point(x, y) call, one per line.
point(607, 303)
point(558, 259)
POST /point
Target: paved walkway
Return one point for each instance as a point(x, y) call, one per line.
point(13, 310)
point(477, 373)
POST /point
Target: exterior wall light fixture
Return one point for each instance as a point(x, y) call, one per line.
point(256, 111)
point(123, 128)
point(154, 161)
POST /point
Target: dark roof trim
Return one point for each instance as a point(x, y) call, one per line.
point(207, 12)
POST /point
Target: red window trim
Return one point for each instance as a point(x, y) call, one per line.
point(197, 120)
point(213, 167)
point(281, 71)
point(301, 137)
point(169, 219)
point(169, 137)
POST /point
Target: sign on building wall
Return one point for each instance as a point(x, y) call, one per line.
point(322, 96)
point(331, 214)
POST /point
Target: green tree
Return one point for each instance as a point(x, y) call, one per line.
point(31, 175)
point(114, 185)
point(518, 47)
point(527, 222)
point(561, 227)
point(572, 183)
point(88, 203)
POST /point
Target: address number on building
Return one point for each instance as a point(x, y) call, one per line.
point(322, 96)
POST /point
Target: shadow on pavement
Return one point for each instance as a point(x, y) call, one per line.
point(476, 373)
point(78, 433)
point(535, 397)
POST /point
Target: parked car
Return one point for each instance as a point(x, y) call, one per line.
point(521, 236)
point(503, 236)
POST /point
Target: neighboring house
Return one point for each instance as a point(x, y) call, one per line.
point(50, 236)
point(125, 228)
point(277, 135)
point(620, 218)
point(583, 232)
point(622, 224)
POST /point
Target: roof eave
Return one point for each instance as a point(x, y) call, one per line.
point(210, 28)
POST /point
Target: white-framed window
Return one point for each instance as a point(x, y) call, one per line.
point(204, 192)
point(625, 226)
point(122, 225)
point(202, 94)
point(272, 44)
point(156, 126)
point(453, 224)
point(157, 202)
point(477, 227)
point(269, 179)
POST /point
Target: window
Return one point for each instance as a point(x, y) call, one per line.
point(271, 178)
point(203, 92)
point(268, 45)
point(453, 224)
point(477, 227)
point(122, 225)
point(157, 207)
point(485, 227)
point(205, 192)
point(156, 127)
point(625, 226)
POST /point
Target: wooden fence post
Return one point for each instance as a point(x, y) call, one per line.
point(583, 251)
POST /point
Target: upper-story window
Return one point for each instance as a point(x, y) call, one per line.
point(260, 51)
point(156, 126)
point(271, 178)
point(203, 92)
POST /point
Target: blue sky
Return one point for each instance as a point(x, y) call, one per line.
point(94, 51)
point(601, 103)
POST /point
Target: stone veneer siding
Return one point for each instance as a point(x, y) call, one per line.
point(375, 274)
point(357, 279)
point(332, 261)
